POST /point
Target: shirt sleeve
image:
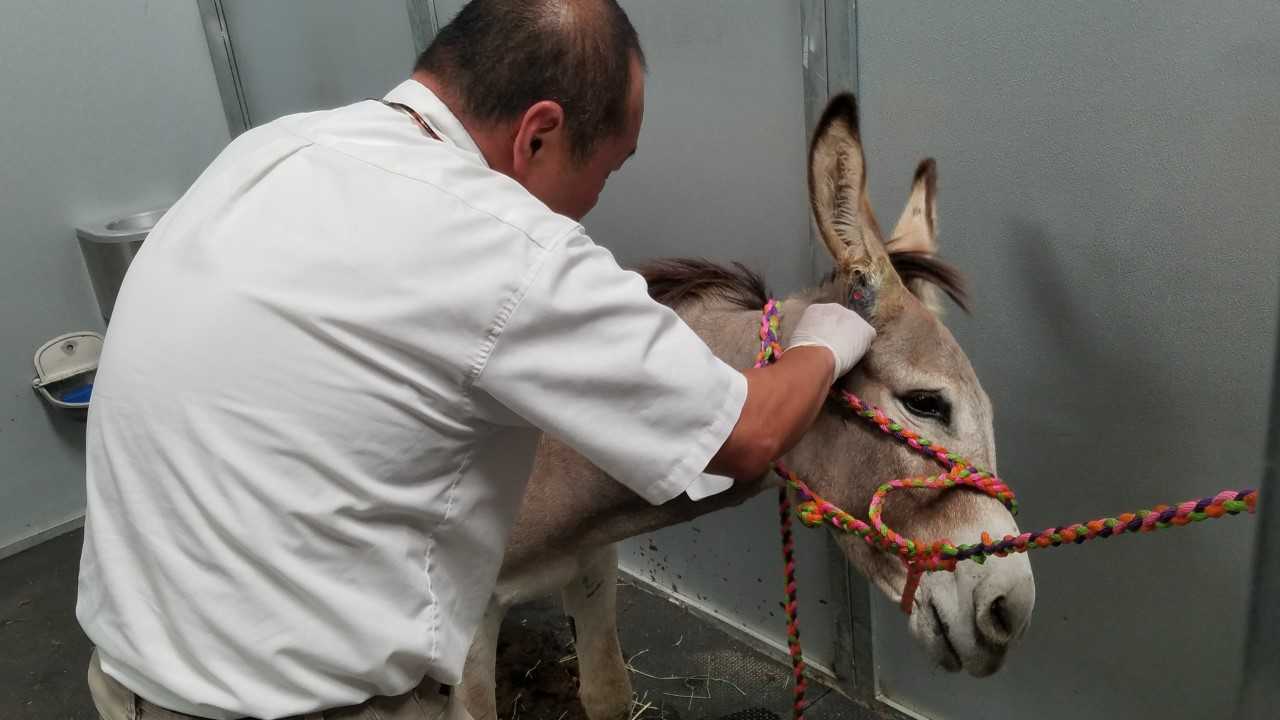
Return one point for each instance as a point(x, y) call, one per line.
point(586, 355)
point(705, 485)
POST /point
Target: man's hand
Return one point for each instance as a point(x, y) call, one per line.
point(837, 329)
point(784, 398)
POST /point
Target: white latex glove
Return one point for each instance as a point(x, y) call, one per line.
point(838, 329)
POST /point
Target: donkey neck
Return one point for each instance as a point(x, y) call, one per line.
point(733, 334)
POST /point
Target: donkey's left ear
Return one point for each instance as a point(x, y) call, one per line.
point(917, 229)
point(917, 233)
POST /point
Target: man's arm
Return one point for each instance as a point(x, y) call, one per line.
point(586, 355)
point(782, 402)
point(784, 399)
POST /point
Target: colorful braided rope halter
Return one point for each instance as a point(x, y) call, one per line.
point(921, 557)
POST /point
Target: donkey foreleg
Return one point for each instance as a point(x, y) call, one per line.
point(479, 680)
point(591, 600)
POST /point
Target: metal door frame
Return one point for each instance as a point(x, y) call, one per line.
point(424, 21)
point(830, 66)
point(1259, 689)
point(225, 70)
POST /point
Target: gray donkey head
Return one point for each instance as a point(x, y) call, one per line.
point(917, 373)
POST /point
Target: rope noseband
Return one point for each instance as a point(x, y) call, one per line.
point(941, 555)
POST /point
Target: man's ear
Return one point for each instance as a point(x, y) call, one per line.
point(539, 130)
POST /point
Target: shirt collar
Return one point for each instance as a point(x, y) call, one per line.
point(437, 114)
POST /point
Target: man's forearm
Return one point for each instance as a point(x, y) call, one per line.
point(782, 402)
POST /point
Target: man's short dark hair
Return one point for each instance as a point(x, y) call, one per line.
point(500, 57)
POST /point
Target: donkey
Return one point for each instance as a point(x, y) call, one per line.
point(573, 513)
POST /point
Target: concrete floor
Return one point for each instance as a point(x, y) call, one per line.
point(683, 669)
point(44, 656)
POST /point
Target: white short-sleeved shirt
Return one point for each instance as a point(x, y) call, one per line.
point(318, 404)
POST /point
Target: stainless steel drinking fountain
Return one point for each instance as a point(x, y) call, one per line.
point(109, 247)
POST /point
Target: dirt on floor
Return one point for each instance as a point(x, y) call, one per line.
point(537, 670)
point(682, 668)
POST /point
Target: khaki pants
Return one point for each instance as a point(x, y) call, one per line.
point(116, 702)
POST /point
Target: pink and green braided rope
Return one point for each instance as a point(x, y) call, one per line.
point(931, 556)
point(942, 555)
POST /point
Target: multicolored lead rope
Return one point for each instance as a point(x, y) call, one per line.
point(921, 557)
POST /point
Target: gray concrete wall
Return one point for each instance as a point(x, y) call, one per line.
point(108, 108)
point(1108, 180)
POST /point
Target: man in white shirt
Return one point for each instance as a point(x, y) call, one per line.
point(324, 379)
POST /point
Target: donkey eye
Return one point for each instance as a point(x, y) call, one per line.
point(927, 404)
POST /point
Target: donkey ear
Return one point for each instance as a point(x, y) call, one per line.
point(917, 229)
point(838, 186)
point(914, 243)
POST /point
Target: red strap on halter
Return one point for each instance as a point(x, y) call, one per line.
point(914, 573)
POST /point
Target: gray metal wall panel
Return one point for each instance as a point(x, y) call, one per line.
point(108, 108)
point(1108, 180)
point(446, 9)
point(300, 55)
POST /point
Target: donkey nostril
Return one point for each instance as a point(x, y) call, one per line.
point(1000, 618)
point(1002, 608)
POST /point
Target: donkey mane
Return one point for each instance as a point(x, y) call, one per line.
point(676, 280)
